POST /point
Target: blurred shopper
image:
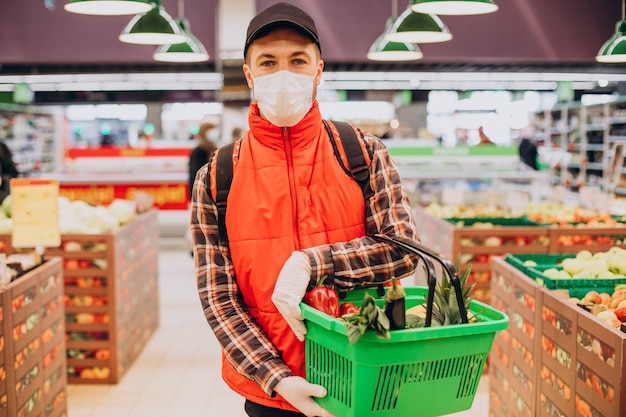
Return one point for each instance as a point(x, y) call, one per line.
point(207, 137)
point(528, 153)
point(8, 170)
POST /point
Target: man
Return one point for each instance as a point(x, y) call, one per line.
point(293, 216)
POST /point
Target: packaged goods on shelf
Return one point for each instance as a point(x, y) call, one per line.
point(32, 352)
point(580, 138)
point(111, 297)
point(579, 367)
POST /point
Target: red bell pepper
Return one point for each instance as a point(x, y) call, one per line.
point(323, 299)
point(348, 308)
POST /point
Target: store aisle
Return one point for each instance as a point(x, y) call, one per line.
point(178, 372)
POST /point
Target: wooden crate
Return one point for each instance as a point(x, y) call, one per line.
point(574, 239)
point(33, 328)
point(558, 356)
point(3, 365)
point(476, 246)
point(521, 295)
point(581, 364)
point(111, 298)
point(600, 368)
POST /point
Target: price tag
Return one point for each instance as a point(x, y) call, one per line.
point(34, 208)
point(452, 197)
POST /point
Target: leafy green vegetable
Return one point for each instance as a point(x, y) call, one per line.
point(370, 316)
point(445, 306)
point(413, 321)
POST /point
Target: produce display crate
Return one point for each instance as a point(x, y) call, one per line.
point(600, 368)
point(558, 356)
point(575, 239)
point(4, 412)
point(582, 369)
point(34, 342)
point(438, 368)
point(478, 246)
point(500, 359)
point(513, 359)
point(576, 286)
point(111, 298)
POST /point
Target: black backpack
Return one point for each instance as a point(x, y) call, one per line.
point(358, 168)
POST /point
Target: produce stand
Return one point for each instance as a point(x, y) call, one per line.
point(479, 246)
point(111, 298)
point(512, 358)
point(476, 245)
point(33, 362)
point(574, 239)
point(579, 367)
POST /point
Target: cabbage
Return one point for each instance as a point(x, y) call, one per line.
point(6, 226)
point(123, 210)
point(6, 206)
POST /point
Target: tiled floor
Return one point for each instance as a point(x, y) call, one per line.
point(178, 372)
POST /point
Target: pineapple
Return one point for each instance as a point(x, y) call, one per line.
point(445, 306)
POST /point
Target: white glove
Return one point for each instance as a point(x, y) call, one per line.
point(290, 288)
point(299, 393)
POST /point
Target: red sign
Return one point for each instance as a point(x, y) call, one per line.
point(172, 196)
point(75, 153)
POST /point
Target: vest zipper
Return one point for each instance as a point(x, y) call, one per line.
point(292, 187)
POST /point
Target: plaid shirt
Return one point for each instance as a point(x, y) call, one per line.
point(348, 265)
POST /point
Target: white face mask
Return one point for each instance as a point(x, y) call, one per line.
point(284, 97)
point(212, 135)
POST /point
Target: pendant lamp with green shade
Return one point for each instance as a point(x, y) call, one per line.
point(454, 7)
point(414, 27)
point(155, 27)
point(385, 50)
point(107, 7)
point(191, 50)
point(614, 49)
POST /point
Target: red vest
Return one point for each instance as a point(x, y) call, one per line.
point(288, 193)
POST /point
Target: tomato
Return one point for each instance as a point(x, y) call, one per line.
point(348, 308)
point(323, 299)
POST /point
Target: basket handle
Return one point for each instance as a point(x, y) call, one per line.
point(424, 253)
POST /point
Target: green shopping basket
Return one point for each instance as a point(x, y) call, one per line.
point(424, 372)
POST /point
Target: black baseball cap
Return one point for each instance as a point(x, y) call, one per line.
point(281, 15)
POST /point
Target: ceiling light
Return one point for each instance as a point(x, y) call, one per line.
point(107, 7)
point(614, 50)
point(154, 27)
point(385, 50)
point(415, 27)
point(454, 7)
point(191, 50)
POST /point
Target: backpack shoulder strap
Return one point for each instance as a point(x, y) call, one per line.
point(223, 180)
point(358, 166)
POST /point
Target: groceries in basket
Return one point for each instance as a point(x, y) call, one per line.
point(436, 361)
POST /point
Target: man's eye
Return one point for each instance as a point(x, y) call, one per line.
point(267, 63)
point(299, 61)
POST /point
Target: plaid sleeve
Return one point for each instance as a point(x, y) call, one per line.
point(363, 262)
point(245, 345)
